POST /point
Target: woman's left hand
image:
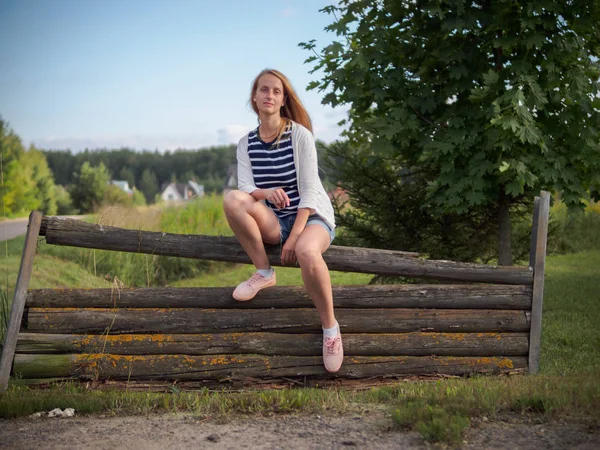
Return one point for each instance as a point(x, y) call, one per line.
point(288, 252)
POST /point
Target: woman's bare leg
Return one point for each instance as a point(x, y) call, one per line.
point(253, 224)
point(310, 247)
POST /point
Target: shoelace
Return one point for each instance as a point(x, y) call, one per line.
point(254, 278)
point(332, 345)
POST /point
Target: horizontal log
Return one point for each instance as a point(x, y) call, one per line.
point(301, 320)
point(440, 296)
point(405, 344)
point(236, 385)
point(226, 367)
point(76, 233)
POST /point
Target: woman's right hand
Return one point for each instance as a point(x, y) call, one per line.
point(278, 197)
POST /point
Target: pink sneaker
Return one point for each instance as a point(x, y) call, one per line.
point(333, 352)
point(249, 288)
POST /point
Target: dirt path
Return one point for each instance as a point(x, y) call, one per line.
point(369, 431)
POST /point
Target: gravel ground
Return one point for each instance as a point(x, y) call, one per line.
point(370, 430)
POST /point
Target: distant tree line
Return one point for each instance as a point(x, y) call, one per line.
point(148, 171)
point(63, 182)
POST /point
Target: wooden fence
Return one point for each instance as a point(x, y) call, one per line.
point(474, 319)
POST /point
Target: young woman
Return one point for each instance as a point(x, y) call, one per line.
point(281, 200)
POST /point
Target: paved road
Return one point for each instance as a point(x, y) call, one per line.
point(12, 228)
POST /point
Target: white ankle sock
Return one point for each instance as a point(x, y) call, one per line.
point(331, 332)
point(266, 272)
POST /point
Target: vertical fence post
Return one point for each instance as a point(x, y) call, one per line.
point(539, 261)
point(534, 232)
point(18, 304)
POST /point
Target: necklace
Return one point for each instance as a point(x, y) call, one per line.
point(267, 137)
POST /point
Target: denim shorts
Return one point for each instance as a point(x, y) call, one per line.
point(286, 223)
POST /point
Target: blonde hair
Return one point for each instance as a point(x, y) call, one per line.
point(293, 110)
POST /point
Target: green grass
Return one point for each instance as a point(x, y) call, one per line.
point(441, 410)
point(571, 314)
point(48, 271)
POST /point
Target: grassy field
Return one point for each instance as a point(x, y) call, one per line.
point(567, 387)
point(571, 314)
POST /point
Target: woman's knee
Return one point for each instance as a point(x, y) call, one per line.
point(308, 255)
point(237, 200)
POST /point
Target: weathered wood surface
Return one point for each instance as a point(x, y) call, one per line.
point(236, 384)
point(406, 344)
point(534, 231)
point(463, 296)
point(224, 367)
point(76, 233)
point(538, 283)
point(300, 320)
point(18, 304)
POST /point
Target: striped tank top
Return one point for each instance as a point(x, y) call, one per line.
point(273, 167)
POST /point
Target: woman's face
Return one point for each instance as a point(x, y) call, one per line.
point(269, 96)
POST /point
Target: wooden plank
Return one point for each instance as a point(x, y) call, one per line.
point(534, 231)
point(226, 367)
point(18, 304)
point(300, 320)
point(440, 296)
point(262, 343)
point(71, 232)
point(538, 283)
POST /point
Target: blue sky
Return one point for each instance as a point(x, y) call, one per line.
point(151, 74)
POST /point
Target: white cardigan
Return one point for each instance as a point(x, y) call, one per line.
point(312, 192)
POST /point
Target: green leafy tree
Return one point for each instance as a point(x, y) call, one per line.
point(43, 178)
point(149, 185)
point(213, 184)
point(387, 211)
point(138, 198)
point(64, 205)
point(114, 195)
point(20, 193)
point(494, 100)
point(63, 165)
point(126, 174)
point(11, 150)
point(187, 176)
point(27, 181)
point(89, 187)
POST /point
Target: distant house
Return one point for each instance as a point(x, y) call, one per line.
point(182, 192)
point(123, 185)
point(231, 182)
